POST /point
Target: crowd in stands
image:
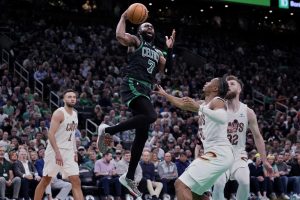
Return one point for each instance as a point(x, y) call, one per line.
point(89, 60)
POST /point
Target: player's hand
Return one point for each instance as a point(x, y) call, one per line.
point(170, 40)
point(38, 178)
point(190, 103)
point(9, 183)
point(124, 15)
point(268, 167)
point(159, 91)
point(29, 177)
point(260, 178)
point(58, 159)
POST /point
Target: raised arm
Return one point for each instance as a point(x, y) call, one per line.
point(166, 63)
point(124, 38)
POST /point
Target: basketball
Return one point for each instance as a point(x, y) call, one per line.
point(137, 13)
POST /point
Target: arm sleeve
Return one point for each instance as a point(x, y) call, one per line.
point(219, 115)
point(169, 61)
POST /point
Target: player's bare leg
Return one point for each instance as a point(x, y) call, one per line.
point(183, 192)
point(41, 187)
point(76, 187)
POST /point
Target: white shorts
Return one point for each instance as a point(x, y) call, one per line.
point(69, 168)
point(239, 162)
point(202, 173)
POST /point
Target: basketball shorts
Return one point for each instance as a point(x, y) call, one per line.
point(203, 172)
point(132, 88)
point(239, 162)
point(69, 168)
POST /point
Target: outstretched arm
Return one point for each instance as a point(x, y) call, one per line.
point(176, 101)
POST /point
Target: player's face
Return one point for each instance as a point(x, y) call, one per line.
point(147, 31)
point(211, 85)
point(234, 89)
point(70, 99)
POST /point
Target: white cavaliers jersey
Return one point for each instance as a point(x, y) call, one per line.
point(237, 129)
point(65, 134)
point(212, 133)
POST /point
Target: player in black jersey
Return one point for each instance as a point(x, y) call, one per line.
point(144, 62)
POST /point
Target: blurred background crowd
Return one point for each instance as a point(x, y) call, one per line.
point(52, 48)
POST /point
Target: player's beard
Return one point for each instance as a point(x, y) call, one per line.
point(231, 95)
point(70, 105)
point(146, 37)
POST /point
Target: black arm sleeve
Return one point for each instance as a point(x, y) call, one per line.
point(169, 61)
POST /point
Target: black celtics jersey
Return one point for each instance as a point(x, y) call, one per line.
point(143, 62)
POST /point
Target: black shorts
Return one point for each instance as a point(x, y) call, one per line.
point(132, 88)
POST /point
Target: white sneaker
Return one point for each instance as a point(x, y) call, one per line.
point(166, 197)
point(103, 138)
point(128, 197)
point(296, 197)
point(130, 185)
point(284, 197)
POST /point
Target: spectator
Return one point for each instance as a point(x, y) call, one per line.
point(2, 116)
point(105, 171)
point(90, 162)
point(8, 108)
point(82, 157)
point(283, 170)
point(28, 174)
point(7, 178)
point(154, 186)
point(273, 180)
point(257, 180)
point(295, 176)
point(13, 157)
point(84, 139)
point(168, 174)
point(33, 156)
point(118, 156)
point(182, 163)
point(41, 73)
point(122, 166)
point(5, 142)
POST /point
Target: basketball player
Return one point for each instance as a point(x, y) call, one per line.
point(61, 152)
point(144, 61)
point(218, 153)
point(240, 118)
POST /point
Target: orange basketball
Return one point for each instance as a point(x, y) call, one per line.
point(137, 13)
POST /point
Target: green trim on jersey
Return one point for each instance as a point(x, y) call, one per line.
point(134, 90)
